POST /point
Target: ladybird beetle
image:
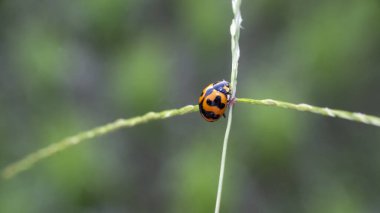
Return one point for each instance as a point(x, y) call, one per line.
point(214, 100)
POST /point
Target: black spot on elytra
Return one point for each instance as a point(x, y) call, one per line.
point(216, 102)
point(208, 114)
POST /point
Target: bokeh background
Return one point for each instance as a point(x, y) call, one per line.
point(68, 66)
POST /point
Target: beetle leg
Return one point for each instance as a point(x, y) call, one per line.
point(232, 101)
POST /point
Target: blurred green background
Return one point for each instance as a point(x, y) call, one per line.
point(68, 66)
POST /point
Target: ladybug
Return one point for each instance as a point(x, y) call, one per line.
point(214, 100)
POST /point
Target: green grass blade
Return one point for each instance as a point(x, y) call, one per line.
point(28, 161)
point(352, 116)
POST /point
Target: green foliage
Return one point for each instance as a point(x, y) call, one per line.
point(67, 66)
point(147, 63)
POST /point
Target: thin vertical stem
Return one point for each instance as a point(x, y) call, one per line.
point(223, 162)
point(235, 33)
